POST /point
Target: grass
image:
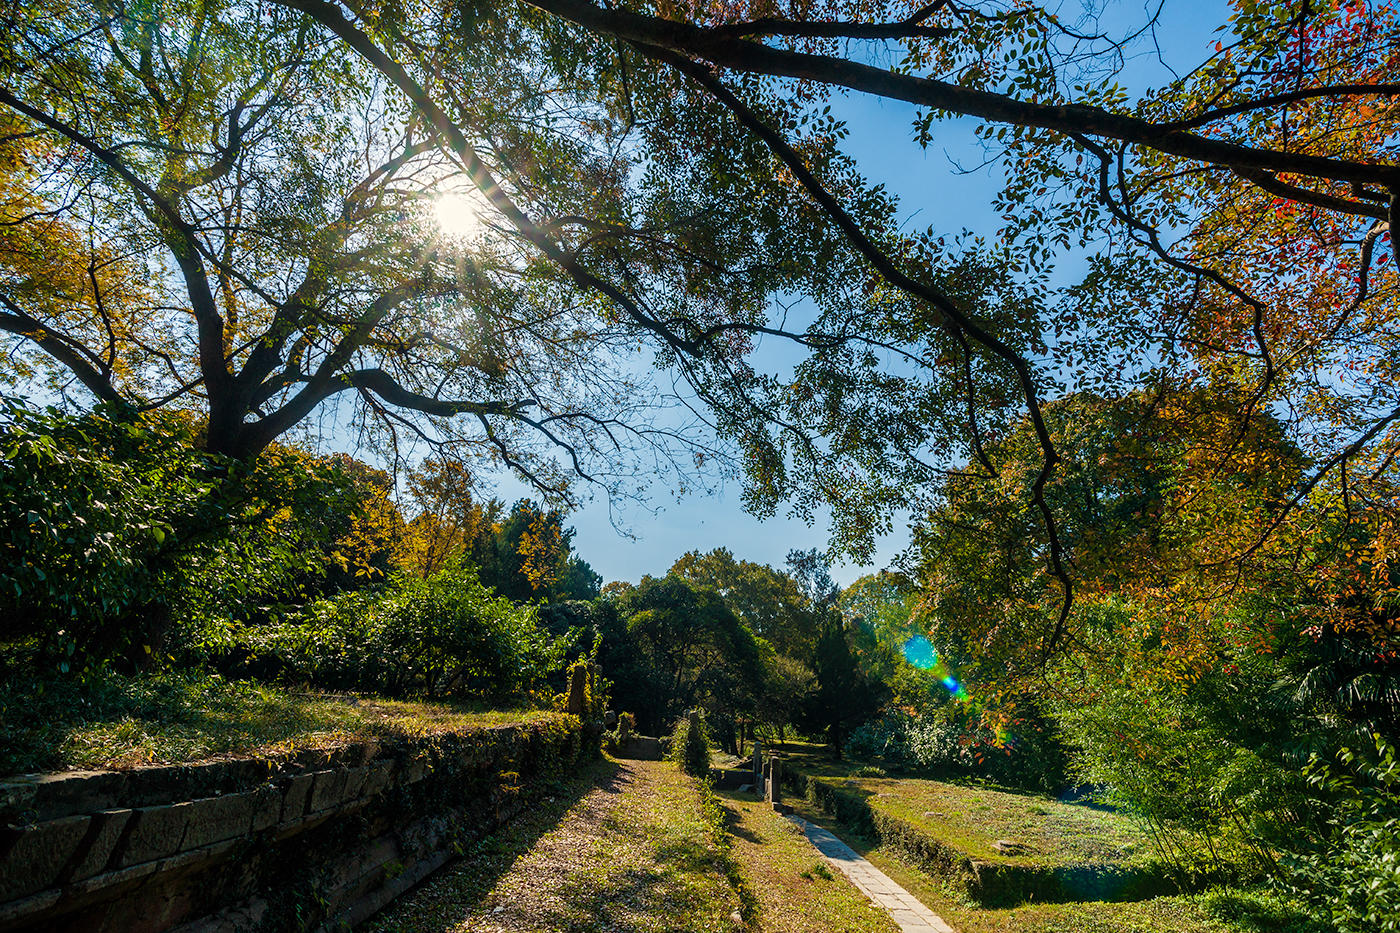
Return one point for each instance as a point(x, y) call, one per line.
point(636, 854)
point(795, 890)
point(973, 818)
point(108, 720)
point(1217, 911)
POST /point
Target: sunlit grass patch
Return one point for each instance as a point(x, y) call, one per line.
point(1216, 911)
point(973, 818)
point(794, 888)
point(107, 720)
point(638, 853)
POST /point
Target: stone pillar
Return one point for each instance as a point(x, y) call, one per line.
point(757, 766)
point(774, 794)
point(578, 690)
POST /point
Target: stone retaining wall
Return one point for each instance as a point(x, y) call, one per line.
point(318, 839)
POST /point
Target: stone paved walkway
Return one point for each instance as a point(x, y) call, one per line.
point(911, 915)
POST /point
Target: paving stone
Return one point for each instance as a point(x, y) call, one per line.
point(905, 909)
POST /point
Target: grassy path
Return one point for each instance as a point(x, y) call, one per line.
point(633, 847)
point(633, 855)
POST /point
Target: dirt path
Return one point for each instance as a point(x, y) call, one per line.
point(633, 855)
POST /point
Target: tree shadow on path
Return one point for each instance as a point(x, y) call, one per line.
point(451, 895)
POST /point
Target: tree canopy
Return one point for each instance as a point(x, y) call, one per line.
point(242, 210)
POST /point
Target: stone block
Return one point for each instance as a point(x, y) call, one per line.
point(41, 797)
point(17, 799)
point(267, 808)
point(100, 842)
point(327, 790)
point(312, 759)
point(155, 832)
point(354, 783)
point(414, 770)
point(294, 800)
point(21, 913)
point(37, 854)
point(378, 777)
point(109, 883)
point(215, 819)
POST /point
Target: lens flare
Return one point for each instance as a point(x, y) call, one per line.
point(919, 652)
point(994, 731)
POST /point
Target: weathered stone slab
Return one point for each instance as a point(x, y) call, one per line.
point(377, 777)
point(36, 798)
point(267, 808)
point(294, 800)
point(15, 912)
point(38, 853)
point(215, 819)
point(102, 837)
point(354, 783)
point(327, 790)
point(155, 833)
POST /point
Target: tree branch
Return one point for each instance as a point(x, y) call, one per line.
point(756, 58)
point(17, 321)
point(1274, 185)
point(953, 316)
point(185, 247)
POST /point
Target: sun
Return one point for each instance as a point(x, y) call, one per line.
point(457, 214)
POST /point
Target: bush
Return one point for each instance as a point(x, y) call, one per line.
point(447, 634)
point(870, 771)
point(690, 747)
point(114, 523)
point(953, 741)
point(1352, 877)
point(618, 740)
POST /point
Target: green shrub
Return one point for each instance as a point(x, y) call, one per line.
point(1352, 876)
point(115, 526)
point(592, 690)
point(447, 634)
point(690, 747)
point(952, 740)
point(871, 771)
point(618, 740)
